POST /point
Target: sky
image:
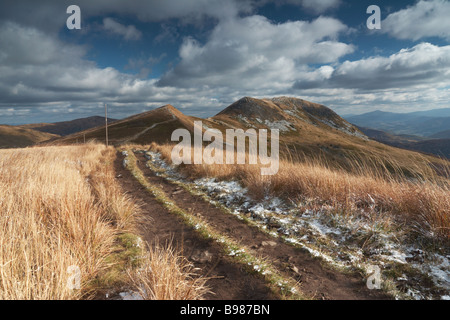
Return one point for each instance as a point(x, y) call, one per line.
point(202, 55)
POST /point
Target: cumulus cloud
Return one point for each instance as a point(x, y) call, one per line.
point(29, 46)
point(240, 55)
point(425, 65)
point(37, 67)
point(42, 78)
point(424, 19)
point(253, 51)
point(127, 32)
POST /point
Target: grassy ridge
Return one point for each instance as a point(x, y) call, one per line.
point(50, 222)
point(18, 137)
point(63, 215)
point(419, 199)
point(286, 288)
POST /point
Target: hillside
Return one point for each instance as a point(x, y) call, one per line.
point(17, 137)
point(312, 131)
point(436, 146)
point(422, 123)
point(152, 126)
point(441, 135)
point(307, 131)
point(290, 115)
point(65, 128)
point(309, 224)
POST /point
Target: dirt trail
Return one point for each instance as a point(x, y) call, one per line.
point(157, 225)
point(316, 280)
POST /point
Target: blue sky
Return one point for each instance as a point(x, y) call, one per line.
point(202, 55)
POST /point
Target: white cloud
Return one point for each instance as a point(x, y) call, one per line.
point(127, 32)
point(254, 52)
point(40, 74)
point(411, 79)
point(157, 10)
point(242, 56)
point(424, 19)
point(37, 67)
point(29, 46)
point(424, 65)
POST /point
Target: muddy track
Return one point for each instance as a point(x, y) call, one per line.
point(157, 226)
point(316, 280)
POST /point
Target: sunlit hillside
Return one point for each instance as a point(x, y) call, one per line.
point(67, 229)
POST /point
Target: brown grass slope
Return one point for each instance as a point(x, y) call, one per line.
point(307, 131)
point(435, 146)
point(313, 131)
point(152, 126)
point(65, 128)
point(16, 137)
point(62, 208)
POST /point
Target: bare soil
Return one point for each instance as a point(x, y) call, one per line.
point(157, 226)
point(316, 279)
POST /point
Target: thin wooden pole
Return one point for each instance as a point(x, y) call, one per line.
point(106, 124)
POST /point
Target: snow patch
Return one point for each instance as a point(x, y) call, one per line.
point(282, 125)
point(322, 232)
point(130, 295)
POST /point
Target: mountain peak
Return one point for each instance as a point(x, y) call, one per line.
point(288, 113)
point(168, 107)
point(252, 107)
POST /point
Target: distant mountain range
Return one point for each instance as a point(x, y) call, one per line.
point(435, 146)
point(29, 134)
point(425, 131)
point(307, 130)
point(441, 135)
point(65, 128)
point(422, 123)
point(17, 137)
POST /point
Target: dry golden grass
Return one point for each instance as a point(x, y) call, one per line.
point(49, 222)
point(60, 207)
point(167, 275)
point(420, 198)
point(15, 137)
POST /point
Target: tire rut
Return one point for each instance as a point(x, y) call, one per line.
point(316, 280)
point(228, 280)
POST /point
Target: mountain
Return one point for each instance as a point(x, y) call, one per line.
point(16, 137)
point(421, 123)
point(389, 138)
point(285, 113)
point(65, 128)
point(437, 147)
point(441, 135)
point(30, 134)
point(156, 125)
point(435, 113)
point(307, 130)
point(304, 126)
